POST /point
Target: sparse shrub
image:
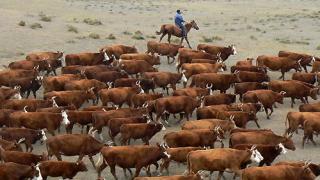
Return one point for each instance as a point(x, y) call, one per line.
point(217, 38)
point(94, 36)
point(288, 41)
point(138, 35)
point(71, 41)
point(151, 36)
point(111, 37)
point(72, 29)
point(253, 37)
point(318, 48)
point(206, 39)
point(126, 33)
point(35, 26)
point(176, 40)
point(22, 23)
point(44, 17)
point(94, 22)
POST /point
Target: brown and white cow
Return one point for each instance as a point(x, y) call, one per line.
point(225, 52)
point(86, 59)
point(306, 59)
point(243, 87)
point(163, 49)
point(115, 51)
point(25, 158)
point(14, 171)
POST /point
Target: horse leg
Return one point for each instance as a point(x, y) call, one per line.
point(169, 38)
point(188, 42)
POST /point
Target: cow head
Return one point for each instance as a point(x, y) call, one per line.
point(81, 167)
point(281, 148)
point(65, 119)
point(314, 93)
point(315, 168)
point(232, 49)
point(255, 155)
point(156, 59)
point(163, 151)
point(17, 95)
point(42, 136)
point(288, 143)
point(279, 97)
point(139, 88)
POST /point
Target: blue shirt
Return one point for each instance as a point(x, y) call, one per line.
point(178, 19)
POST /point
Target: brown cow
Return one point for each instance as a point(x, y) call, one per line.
point(257, 69)
point(130, 157)
point(14, 171)
point(210, 61)
point(98, 108)
point(311, 126)
point(61, 168)
point(219, 99)
point(114, 124)
point(101, 119)
point(185, 56)
point(247, 76)
point(224, 52)
point(266, 97)
point(11, 146)
point(242, 88)
point(178, 155)
point(146, 84)
point(82, 118)
point(136, 66)
point(296, 119)
point(176, 104)
point(194, 138)
point(221, 159)
point(115, 51)
point(245, 62)
point(30, 136)
point(226, 126)
point(193, 92)
point(315, 168)
point(8, 93)
point(313, 107)
point(294, 90)
point(151, 59)
point(21, 157)
point(260, 137)
point(163, 49)
point(306, 60)
point(75, 97)
point(29, 65)
point(56, 83)
point(220, 82)
point(144, 131)
point(274, 63)
point(119, 96)
point(72, 145)
point(278, 172)
point(174, 177)
point(138, 100)
point(4, 117)
point(268, 152)
point(31, 104)
point(39, 120)
point(240, 118)
point(49, 55)
point(7, 75)
point(86, 59)
point(310, 78)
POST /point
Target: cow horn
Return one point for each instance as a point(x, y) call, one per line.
point(25, 109)
point(91, 89)
point(209, 87)
point(138, 83)
point(283, 92)
point(231, 117)
point(253, 147)
point(21, 140)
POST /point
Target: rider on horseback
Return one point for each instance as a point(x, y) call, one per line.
point(178, 20)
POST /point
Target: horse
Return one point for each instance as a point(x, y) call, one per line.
point(171, 29)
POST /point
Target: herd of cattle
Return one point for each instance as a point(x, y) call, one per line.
point(119, 75)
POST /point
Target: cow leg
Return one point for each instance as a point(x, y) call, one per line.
point(181, 40)
point(28, 94)
point(163, 34)
point(304, 140)
point(220, 175)
point(138, 169)
point(58, 156)
point(28, 146)
point(169, 38)
point(305, 68)
point(266, 110)
point(168, 59)
point(256, 121)
point(34, 94)
point(292, 102)
point(165, 164)
point(92, 162)
point(311, 139)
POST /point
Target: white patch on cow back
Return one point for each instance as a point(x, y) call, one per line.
point(256, 156)
point(44, 137)
point(65, 119)
point(283, 149)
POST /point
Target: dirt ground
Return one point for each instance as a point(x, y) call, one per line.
point(256, 27)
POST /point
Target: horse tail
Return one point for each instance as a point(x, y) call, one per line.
point(161, 30)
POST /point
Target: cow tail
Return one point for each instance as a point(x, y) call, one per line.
point(188, 163)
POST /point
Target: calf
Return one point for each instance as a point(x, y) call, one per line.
point(30, 136)
point(62, 169)
point(133, 157)
point(21, 157)
point(75, 97)
point(221, 159)
point(114, 124)
point(144, 131)
point(268, 152)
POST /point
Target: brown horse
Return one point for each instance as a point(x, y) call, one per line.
point(171, 29)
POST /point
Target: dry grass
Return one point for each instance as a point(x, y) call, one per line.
point(94, 22)
point(151, 36)
point(211, 39)
point(22, 23)
point(72, 29)
point(111, 37)
point(44, 17)
point(94, 36)
point(36, 26)
point(318, 47)
point(126, 33)
point(138, 35)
